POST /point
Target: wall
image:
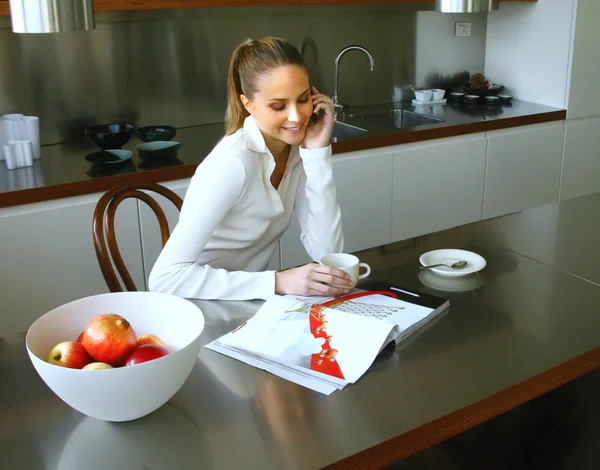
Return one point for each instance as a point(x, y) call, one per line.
point(169, 66)
point(439, 50)
point(528, 49)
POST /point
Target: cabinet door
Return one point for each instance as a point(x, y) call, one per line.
point(48, 257)
point(437, 185)
point(150, 231)
point(584, 101)
point(523, 168)
point(581, 162)
point(364, 192)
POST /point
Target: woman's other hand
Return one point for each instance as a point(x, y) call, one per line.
point(318, 134)
point(312, 279)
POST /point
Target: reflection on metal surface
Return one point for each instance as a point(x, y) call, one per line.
point(341, 129)
point(51, 16)
point(466, 6)
point(22, 178)
point(397, 118)
point(170, 66)
point(99, 170)
point(166, 437)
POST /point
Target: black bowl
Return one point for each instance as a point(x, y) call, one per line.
point(154, 133)
point(109, 136)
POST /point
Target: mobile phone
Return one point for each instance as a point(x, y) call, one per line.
point(313, 119)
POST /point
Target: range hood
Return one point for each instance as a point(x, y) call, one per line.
point(466, 6)
point(51, 16)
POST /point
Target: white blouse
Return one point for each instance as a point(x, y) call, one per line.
point(233, 218)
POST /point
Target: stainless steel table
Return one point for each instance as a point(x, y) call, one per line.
point(525, 325)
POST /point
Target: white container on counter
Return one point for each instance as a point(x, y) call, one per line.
point(18, 154)
point(15, 127)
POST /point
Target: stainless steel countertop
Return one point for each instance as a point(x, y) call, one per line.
point(65, 163)
point(533, 308)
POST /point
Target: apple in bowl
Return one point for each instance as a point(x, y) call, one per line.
point(145, 353)
point(115, 394)
point(69, 354)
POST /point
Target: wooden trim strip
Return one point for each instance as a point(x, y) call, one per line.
point(439, 430)
point(138, 5)
point(89, 186)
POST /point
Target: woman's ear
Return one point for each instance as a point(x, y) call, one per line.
point(246, 102)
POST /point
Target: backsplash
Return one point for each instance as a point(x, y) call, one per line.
point(170, 66)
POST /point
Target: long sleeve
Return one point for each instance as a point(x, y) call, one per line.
point(316, 205)
point(214, 190)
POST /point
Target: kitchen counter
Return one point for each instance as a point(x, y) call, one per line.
point(63, 171)
point(525, 325)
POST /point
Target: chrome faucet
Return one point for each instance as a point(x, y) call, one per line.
point(337, 106)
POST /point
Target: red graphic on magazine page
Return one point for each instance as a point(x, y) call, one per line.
point(325, 361)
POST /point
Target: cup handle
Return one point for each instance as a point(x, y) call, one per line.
point(367, 267)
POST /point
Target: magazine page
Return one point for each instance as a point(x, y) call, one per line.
point(313, 339)
point(300, 379)
point(384, 307)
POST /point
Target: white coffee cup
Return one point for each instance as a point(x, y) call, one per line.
point(348, 263)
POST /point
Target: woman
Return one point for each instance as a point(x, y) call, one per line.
point(273, 160)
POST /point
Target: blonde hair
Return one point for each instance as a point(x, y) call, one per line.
point(251, 60)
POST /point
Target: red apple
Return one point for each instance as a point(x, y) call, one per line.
point(149, 339)
point(144, 353)
point(97, 366)
point(80, 337)
point(69, 354)
point(109, 338)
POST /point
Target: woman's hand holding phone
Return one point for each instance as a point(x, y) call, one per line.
point(318, 132)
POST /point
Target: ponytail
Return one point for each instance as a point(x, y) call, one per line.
point(251, 60)
point(236, 112)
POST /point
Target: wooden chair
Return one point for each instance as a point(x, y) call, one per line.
point(105, 241)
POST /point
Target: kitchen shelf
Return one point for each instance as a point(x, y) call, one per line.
point(132, 5)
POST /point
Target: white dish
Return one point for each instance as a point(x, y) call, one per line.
point(428, 103)
point(474, 261)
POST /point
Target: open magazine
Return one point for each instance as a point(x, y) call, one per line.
point(326, 343)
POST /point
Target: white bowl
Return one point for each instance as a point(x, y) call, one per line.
point(423, 95)
point(474, 261)
point(123, 393)
point(437, 94)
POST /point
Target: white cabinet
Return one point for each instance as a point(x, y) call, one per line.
point(48, 256)
point(583, 100)
point(437, 185)
point(581, 161)
point(364, 192)
point(150, 231)
point(523, 168)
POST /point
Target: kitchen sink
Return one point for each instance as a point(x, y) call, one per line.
point(396, 118)
point(341, 129)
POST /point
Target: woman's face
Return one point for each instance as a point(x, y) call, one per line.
point(282, 106)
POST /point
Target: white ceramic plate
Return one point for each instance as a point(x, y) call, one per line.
point(474, 261)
